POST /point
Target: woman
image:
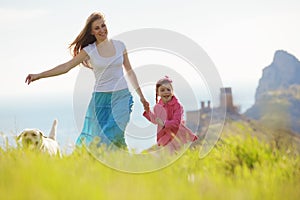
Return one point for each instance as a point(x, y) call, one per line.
point(110, 106)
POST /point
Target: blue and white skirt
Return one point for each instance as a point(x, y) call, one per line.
point(106, 118)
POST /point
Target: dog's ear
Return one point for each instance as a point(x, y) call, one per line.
point(41, 133)
point(19, 136)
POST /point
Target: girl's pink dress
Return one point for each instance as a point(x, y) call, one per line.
point(174, 133)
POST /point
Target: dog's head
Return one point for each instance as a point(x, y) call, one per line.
point(31, 138)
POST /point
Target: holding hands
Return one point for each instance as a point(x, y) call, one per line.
point(145, 104)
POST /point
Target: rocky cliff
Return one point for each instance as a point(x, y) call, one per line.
point(277, 98)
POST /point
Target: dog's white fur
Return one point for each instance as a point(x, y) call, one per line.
point(35, 139)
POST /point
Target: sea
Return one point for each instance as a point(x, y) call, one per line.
point(18, 114)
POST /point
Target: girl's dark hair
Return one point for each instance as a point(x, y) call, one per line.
point(85, 37)
point(160, 82)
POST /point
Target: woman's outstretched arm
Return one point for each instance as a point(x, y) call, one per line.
point(58, 70)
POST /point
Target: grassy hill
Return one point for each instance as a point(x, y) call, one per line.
point(248, 162)
point(279, 108)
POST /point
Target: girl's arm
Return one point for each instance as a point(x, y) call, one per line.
point(150, 116)
point(58, 70)
point(134, 81)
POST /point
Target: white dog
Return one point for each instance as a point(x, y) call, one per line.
point(35, 139)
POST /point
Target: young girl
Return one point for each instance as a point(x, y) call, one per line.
point(168, 115)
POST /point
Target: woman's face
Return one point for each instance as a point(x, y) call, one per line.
point(165, 92)
point(99, 30)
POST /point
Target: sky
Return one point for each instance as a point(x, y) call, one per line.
point(240, 37)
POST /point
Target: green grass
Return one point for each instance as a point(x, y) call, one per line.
point(237, 168)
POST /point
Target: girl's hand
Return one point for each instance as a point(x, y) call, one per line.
point(159, 121)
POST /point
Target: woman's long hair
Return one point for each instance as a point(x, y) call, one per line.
point(85, 37)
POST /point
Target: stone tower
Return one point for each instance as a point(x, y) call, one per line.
point(226, 99)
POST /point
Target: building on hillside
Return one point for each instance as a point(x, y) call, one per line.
point(199, 120)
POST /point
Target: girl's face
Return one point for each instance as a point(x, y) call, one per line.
point(99, 30)
point(165, 92)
